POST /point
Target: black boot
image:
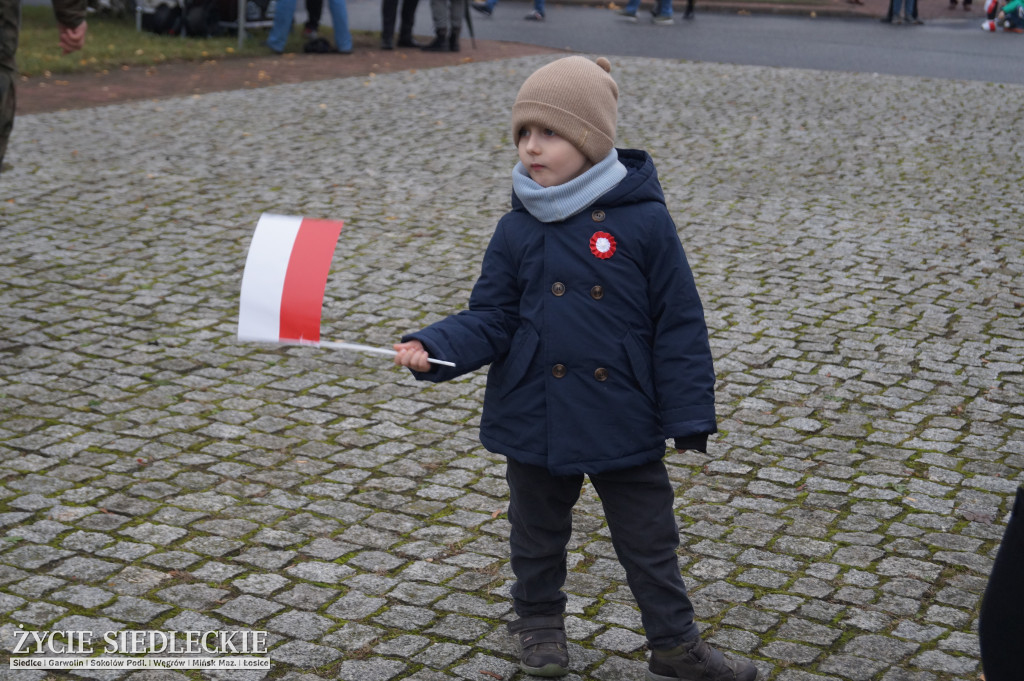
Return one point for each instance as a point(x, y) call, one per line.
point(697, 661)
point(439, 43)
point(405, 38)
point(387, 41)
point(453, 39)
point(541, 645)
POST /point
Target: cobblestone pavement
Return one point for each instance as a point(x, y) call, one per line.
point(857, 243)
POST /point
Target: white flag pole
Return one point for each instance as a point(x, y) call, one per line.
point(339, 345)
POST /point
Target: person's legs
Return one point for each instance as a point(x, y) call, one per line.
point(457, 9)
point(638, 505)
point(540, 515)
point(314, 10)
point(284, 15)
point(10, 20)
point(339, 22)
point(388, 13)
point(439, 15)
point(664, 9)
point(405, 38)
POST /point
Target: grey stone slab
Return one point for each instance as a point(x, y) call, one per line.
point(85, 569)
point(353, 636)
point(32, 556)
point(319, 571)
point(259, 583)
point(193, 596)
point(304, 654)
point(374, 669)
point(306, 596)
point(248, 609)
point(441, 655)
point(84, 596)
point(132, 609)
point(406, 617)
point(355, 606)
point(300, 624)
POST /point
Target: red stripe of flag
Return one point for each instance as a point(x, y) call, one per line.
point(306, 279)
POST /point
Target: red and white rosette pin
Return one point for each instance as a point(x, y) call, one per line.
point(602, 245)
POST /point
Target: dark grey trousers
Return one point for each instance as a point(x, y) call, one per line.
point(638, 506)
point(447, 14)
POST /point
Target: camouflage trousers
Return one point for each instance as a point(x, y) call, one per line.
point(10, 18)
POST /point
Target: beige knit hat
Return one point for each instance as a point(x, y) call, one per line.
point(575, 98)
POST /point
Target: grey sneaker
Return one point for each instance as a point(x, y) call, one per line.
point(697, 661)
point(541, 644)
point(629, 16)
point(663, 20)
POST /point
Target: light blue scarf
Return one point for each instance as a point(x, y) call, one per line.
point(554, 204)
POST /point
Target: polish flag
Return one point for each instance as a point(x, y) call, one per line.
point(284, 278)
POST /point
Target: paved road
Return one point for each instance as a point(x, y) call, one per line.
point(858, 251)
point(943, 48)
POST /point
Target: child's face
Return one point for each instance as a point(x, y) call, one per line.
point(549, 159)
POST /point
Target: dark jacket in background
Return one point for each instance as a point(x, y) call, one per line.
point(1001, 625)
point(69, 12)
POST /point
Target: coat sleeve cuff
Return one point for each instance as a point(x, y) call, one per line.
point(434, 374)
point(697, 442)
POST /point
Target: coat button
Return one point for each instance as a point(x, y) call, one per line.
point(601, 374)
point(597, 293)
point(559, 371)
point(598, 216)
point(558, 288)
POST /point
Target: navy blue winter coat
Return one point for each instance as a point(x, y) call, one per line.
point(595, 361)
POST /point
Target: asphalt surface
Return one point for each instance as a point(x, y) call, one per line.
point(855, 240)
point(828, 36)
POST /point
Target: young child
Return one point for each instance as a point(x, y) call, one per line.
point(587, 312)
point(1010, 17)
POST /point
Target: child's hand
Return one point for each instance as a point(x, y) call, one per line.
point(411, 354)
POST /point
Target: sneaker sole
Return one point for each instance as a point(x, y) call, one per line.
point(651, 676)
point(548, 671)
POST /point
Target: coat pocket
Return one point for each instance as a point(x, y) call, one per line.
point(520, 356)
point(639, 355)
